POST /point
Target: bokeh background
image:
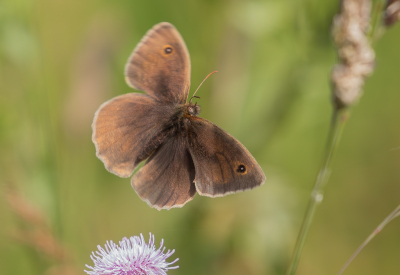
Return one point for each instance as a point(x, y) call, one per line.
point(59, 60)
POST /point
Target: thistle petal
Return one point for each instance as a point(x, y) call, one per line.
point(132, 257)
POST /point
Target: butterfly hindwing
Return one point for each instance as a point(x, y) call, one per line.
point(127, 129)
point(166, 180)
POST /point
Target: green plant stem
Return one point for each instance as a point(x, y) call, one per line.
point(376, 28)
point(339, 118)
point(389, 218)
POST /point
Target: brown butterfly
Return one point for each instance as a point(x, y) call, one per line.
point(184, 152)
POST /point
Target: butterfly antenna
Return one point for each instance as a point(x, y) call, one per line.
point(200, 85)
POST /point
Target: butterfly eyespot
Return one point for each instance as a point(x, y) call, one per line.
point(168, 49)
point(241, 169)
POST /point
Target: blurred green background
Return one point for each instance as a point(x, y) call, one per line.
point(59, 60)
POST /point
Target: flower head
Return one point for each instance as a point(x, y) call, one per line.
point(132, 257)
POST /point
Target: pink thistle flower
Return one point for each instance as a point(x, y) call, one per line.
point(132, 257)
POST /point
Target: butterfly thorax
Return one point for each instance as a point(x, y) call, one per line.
point(175, 126)
point(184, 114)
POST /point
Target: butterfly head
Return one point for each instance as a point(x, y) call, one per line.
point(193, 109)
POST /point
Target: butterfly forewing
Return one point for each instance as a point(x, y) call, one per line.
point(160, 65)
point(223, 165)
